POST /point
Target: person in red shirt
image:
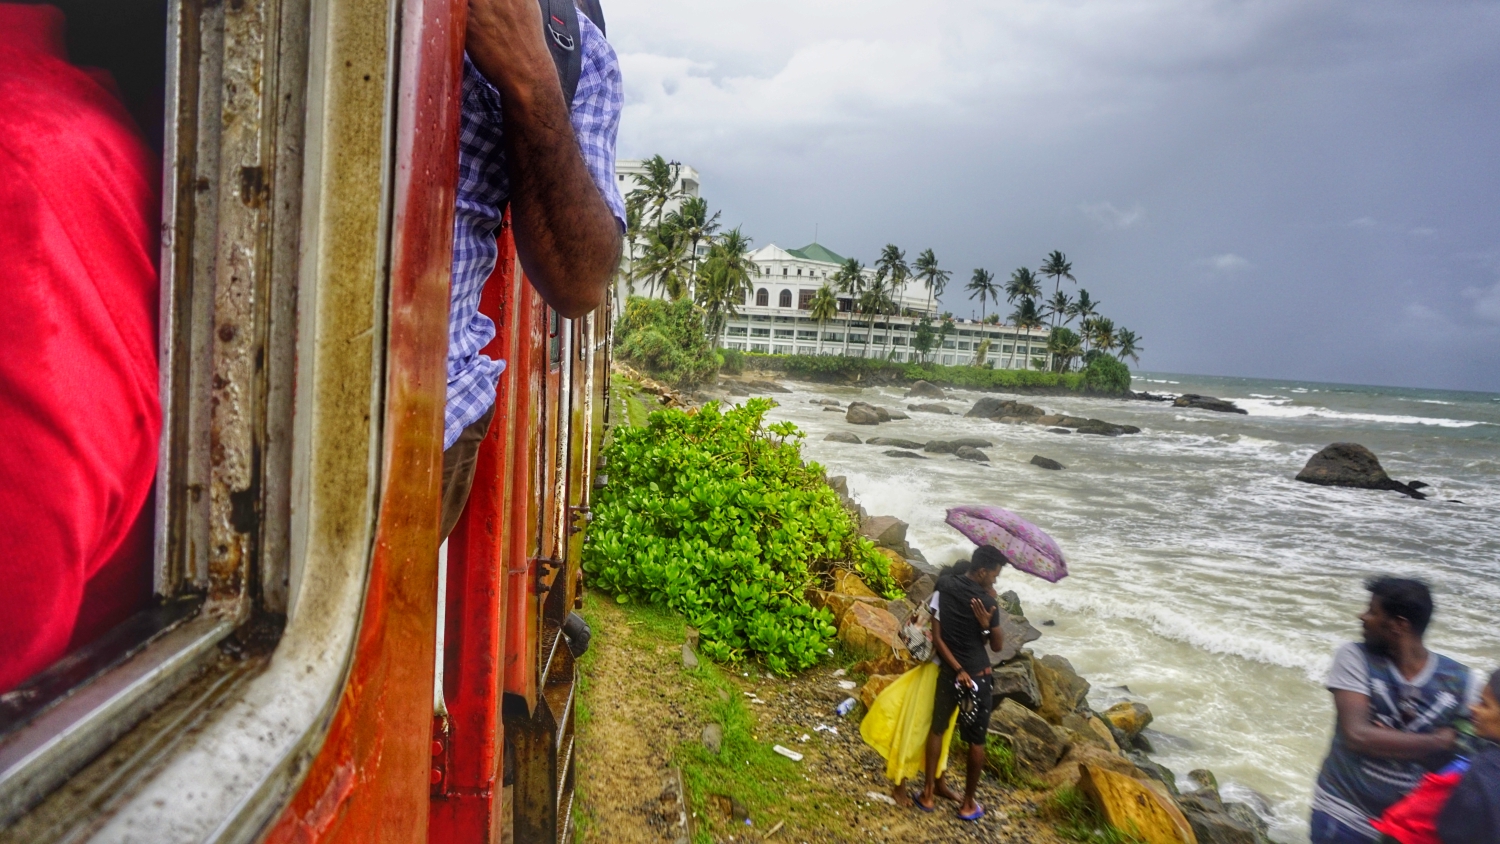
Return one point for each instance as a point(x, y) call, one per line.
point(79, 409)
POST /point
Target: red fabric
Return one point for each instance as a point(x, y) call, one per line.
point(1413, 820)
point(79, 413)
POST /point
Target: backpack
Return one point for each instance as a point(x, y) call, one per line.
point(560, 22)
point(1413, 820)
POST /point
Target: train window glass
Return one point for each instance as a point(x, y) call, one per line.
point(554, 337)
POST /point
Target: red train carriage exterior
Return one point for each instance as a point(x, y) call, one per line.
point(285, 689)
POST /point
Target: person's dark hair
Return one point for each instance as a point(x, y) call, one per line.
point(989, 558)
point(959, 568)
point(1404, 598)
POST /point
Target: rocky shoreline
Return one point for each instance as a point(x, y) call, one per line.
point(1042, 711)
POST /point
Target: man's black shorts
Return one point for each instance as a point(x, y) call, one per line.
point(945, 700)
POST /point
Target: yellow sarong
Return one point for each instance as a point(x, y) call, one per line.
point(899, 721)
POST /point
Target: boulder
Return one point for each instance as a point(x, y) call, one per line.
point(1046, 463)
point(972, 454)
point(910, 455)
point(1351, 465)
point(1089, 729)
point(860, 413)
point(1015, 633)
point(871, 631)
point(929, 408)
point(1069, 769)
point(987, 407)
point(892, 415)
point(1202, 779)
point(767, 387)
point(833, 409)
point(1049, 419)
point(971, 442)
point(1062, 689)
point(1211, 821)
point(1127, 803)
point(925, 390)
point(921, 590)
point(1128, 429)
point(884, 531)
point(894, 442)
point(1058, 431)
point(899, 607)
point(1099, 427)
point(1160, 773)
point(1017, 681)
point(1035, 745)
point(840, 485)
point(846, 582)
point(1207, 403)
point(1250, 818)
point(1011, 603)
point(1129, 717)
point(842, 437)
point(901, 571)
point(874, 686)
point(824, 402)
point(1072, 421)
point(940, 447)
point(895, 664)
point(837, 604)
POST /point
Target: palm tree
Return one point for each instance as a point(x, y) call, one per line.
point(982, 286)
point(1058, 267)
point(1128, 345)
point(633, 237)
point(823, 306)
point(697, 224)
point(891, 267)
point(724, 281)
point(1099, 333)
point(927, 272)
point(1083, 307)
point(1025, 317)
point(666, 260)
point(1064, 346)
point(849, 281)
point(1058, 306)
point(875, 300)
point(658, 187)
point(1023, 284)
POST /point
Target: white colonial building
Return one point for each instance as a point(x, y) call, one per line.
point(774, 318)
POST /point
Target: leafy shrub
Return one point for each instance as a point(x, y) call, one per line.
point(734, 361)
point(666, 339)
point(715, 517)
point(1106, 375)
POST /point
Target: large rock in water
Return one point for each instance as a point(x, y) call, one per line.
point(925, 390)
point(893, 442)
point(929, 408)
point(1129, 717)
point(842, 437)
point(1212, 822)
point(1351, 465)
point(860, 413)
point(909, 455)
point(1045, 462)
point(971, 454)
point(990, 407)
point(1036, 746)
point(1015, 633)
point(1127, 803)
point(885, 531)
point(1208, 403)
point(971, 442)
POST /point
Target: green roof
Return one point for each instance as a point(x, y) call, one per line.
point(817, 252)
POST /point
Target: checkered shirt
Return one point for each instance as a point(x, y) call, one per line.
point(482, 193)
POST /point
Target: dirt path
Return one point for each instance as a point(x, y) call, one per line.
point(643, 715)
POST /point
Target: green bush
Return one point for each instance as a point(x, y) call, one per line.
point(734, 362)
point(715, 516)
point(969, 377)
point(1106, 375)
point(666, 339)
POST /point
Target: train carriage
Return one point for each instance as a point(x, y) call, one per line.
point(290, 682)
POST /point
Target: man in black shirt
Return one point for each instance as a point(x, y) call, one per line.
point(967, 619)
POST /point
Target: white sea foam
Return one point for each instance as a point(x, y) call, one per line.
point(1284, 409)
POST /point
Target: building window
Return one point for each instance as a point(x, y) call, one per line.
point(760, 332)
point(762, 298)
point(807, 335)
point(785, 300)
point(804, 299)
point(782, 332)
point(737, 330)
point(784, 271)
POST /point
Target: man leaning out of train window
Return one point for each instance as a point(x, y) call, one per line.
point(79, 406)
point(553, 162)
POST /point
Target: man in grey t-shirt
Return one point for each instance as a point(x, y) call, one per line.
point(1397, 704)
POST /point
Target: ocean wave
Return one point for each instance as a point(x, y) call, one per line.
point(1283, 409)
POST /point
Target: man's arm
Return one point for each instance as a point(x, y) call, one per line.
point(567, 238)
point(1370, 739)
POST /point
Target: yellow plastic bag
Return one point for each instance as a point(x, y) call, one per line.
point(899, 721)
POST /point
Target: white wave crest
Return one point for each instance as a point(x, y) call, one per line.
point(1284, 409)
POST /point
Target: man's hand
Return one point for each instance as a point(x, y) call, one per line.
point(982, 614)
point(963, 678)
point(566, 237)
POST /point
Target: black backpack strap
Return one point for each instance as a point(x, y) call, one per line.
point(560, 30)
point(595, 13)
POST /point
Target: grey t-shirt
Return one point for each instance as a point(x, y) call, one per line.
point(1350, 673)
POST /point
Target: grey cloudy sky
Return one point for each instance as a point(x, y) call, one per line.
point(1278, 188)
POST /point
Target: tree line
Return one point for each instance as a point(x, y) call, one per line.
point(663, 254)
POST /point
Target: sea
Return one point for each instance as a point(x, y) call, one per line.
point(1205, 581)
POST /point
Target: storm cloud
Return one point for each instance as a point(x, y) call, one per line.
point(1270, 188)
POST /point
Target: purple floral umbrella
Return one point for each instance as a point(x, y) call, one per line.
point(1025, 545)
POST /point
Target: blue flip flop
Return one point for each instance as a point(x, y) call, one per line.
point(916, 800)
point(978, 813)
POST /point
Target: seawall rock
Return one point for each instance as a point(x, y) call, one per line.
point(860, 413)
point(1208, 403)
point(925, 390)
point(1037, 747)
point(1062, 689)
point(885, 531)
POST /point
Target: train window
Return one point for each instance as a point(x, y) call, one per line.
point(554, 337)
point(276, 221)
